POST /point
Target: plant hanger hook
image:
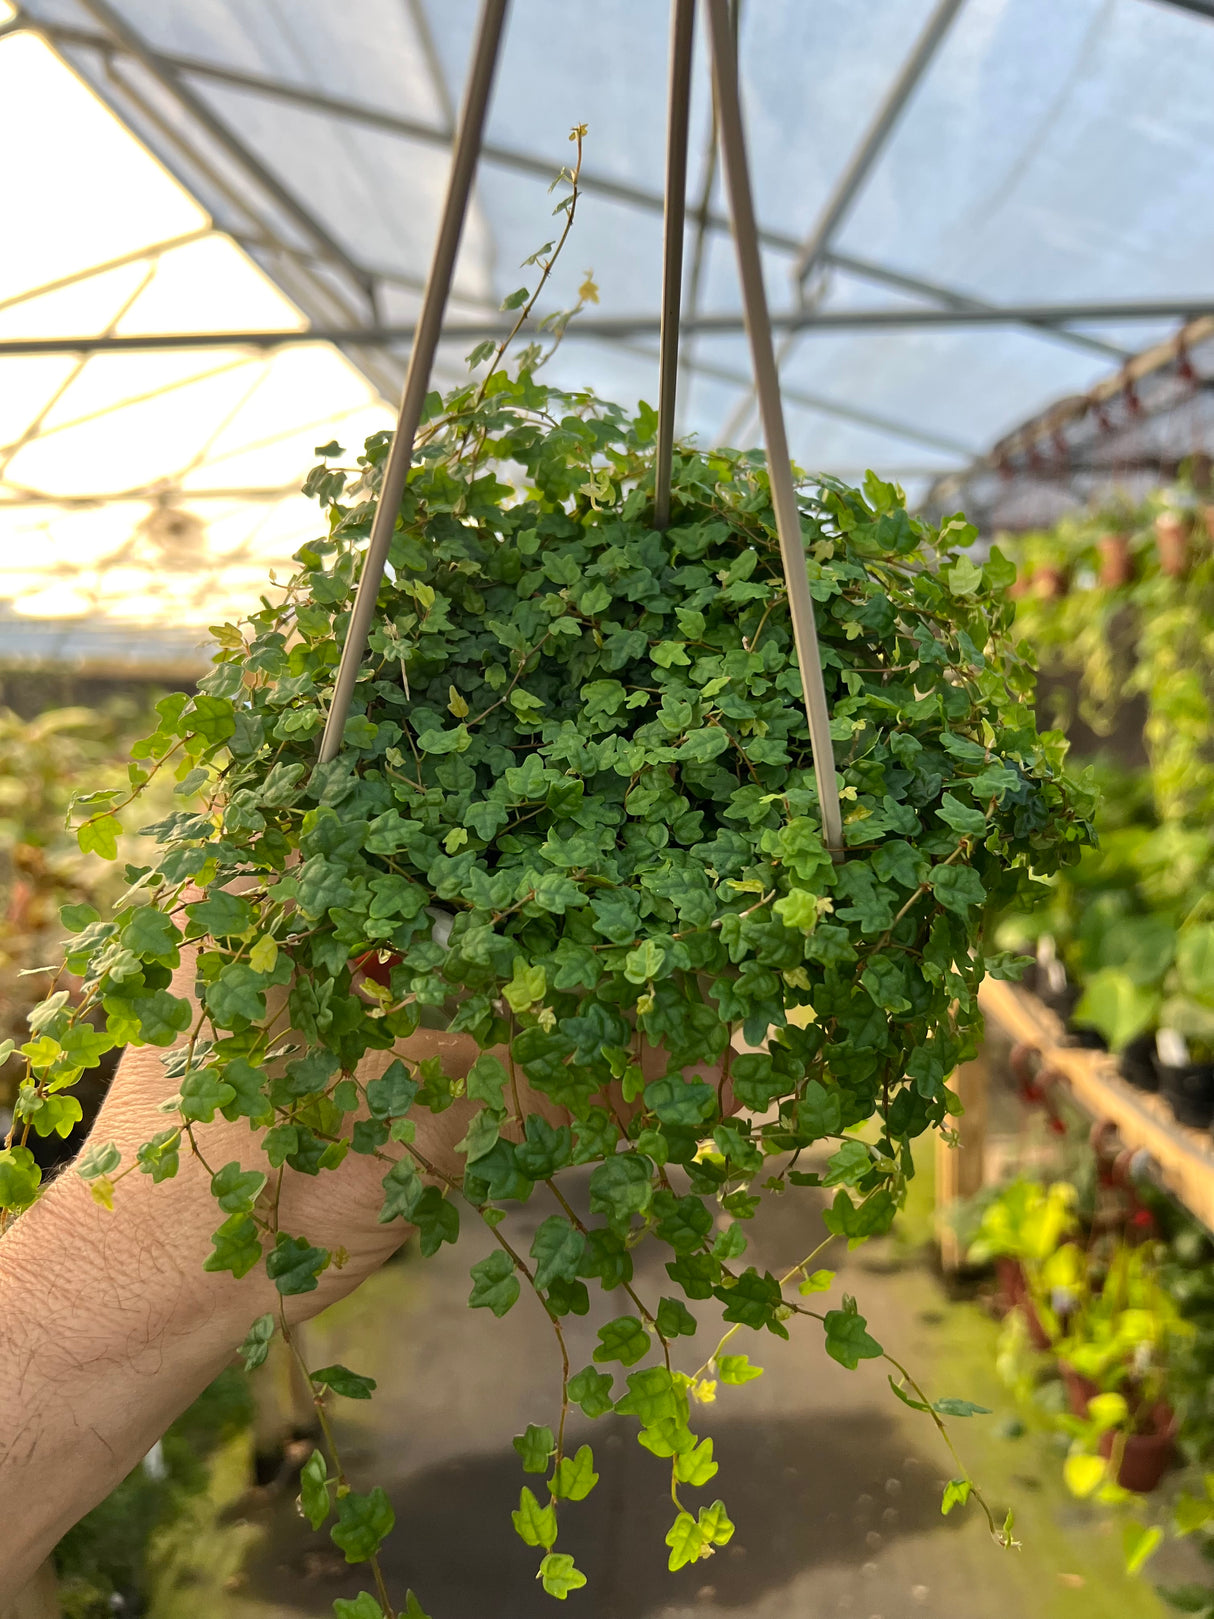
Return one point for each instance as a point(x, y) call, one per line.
point(771, 412)
point(464, 158)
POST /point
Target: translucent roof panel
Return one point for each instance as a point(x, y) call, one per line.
point(155, 488)
point(1051, 164)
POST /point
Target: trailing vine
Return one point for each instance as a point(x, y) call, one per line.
point(574, 823)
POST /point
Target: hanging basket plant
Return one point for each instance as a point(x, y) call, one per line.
point(565, 883)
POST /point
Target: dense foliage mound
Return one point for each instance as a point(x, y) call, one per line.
point(575, 820)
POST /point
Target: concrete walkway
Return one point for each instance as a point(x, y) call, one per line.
point(833, 1484)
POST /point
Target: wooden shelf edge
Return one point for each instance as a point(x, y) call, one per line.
point(1183, 1158)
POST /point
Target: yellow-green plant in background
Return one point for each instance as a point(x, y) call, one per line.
point(44, 762)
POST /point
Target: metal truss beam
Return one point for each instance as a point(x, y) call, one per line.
point(153, 493)
point(866, 270)
point(269, 204)
point(1200, 8)
point(139, 255)
point(826, 407)
point(120, 32)
point(858, 169)
point(614, 326)
point(517, 161)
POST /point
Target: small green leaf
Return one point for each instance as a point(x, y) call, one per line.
point(535, 1525)
point(557, 1249)
point(575, 1477)
point(957, 888)
point(494, 1285)
point(623, 1339)
point(295, 1264)
point(237, 1246)
point(737, 1369)
point(592, 1391)
point(363, 1606)
point(102, 1158)
point(20, 1177)
point(100, 836)
point(686, 1541)
point(675, 1319)
point(1138, 1542)
point(847, 1341)
point(696, 1467)
point(534, 1446)
point(526, 987)
point(235, 1189)
point(363, 1523)
point(256, 1345)
point(314, 1489)
point(956, 1493)
point(76, 918)
point(560, 1575)
point(959, 1408)
point(343, 1381)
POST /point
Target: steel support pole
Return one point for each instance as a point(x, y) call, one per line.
point(767, 389)
point(876, 136)
point(682, 24)
point(421, 360)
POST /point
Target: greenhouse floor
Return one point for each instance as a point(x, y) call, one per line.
point(833, 1484)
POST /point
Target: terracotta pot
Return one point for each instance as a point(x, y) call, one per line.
point(1049, 583)
point(1116, 563)
point(1079, 1389)
point(1172, 543)
point(1147, 1456)
point(372, 967)
point(1009, 1284)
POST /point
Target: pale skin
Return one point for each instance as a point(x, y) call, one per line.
point(111, 1327)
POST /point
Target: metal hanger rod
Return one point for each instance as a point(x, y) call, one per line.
point(767, 390)
point(421, 360)
point(682, 24)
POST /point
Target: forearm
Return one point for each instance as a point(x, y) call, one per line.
point(109, 1330)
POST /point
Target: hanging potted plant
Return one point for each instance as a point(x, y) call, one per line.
point(1172, 540)
point(566, 883)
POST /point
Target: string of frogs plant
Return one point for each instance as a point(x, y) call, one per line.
point(575, 822)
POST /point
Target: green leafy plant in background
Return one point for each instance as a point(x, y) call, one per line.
point(574, 821)
point(44, 761)
point(1148, 638)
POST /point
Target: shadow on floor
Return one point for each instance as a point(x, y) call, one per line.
point(803, 1491)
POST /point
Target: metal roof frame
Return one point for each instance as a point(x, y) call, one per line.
point(641, 325)
point(175, 66)
point(341, 296)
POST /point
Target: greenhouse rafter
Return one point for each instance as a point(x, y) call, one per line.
point(616, 326)
point(175, 67)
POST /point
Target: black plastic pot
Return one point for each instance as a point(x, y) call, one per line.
point(1138, 1064)
point(1088, 1039)
point(1190, 1091)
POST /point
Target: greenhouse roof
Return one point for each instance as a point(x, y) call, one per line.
point(969, 208)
